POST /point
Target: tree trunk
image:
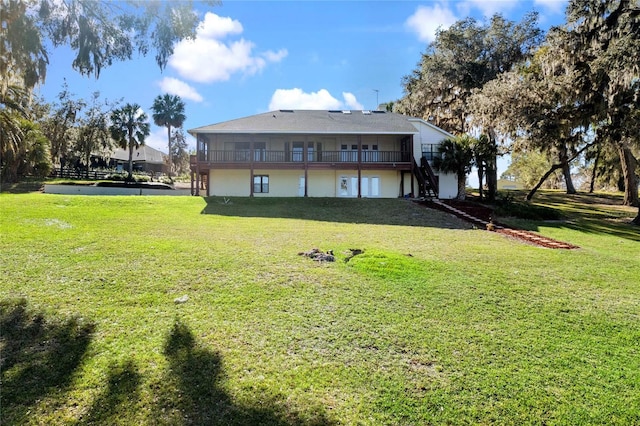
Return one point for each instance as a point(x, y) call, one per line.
point(462, 190)
point(130, 178)
point(566, 161)
point(170, 154)
point(480, 179)
point(492, 179)
point(594, 172)
point(636, 221)
point(492, 169)
point(628, 164)
point(542, 179)
point(566, 171)
point(10, 171)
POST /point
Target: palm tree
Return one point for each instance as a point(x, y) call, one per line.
point(129, 127)
point(168, 111)
point(456, 156)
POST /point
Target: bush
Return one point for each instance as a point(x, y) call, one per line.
point(124, 177)
point(118, 177)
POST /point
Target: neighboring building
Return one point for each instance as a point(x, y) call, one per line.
point(512, 184)
point(145, 159)
point(310, 153)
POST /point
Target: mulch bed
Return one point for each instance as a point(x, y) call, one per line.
point(480, 215)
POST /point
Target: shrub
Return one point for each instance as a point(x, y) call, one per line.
point(119, 177)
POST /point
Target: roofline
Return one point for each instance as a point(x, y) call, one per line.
point(194, 132)
point(433, 126)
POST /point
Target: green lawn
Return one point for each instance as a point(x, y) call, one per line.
point(436, 323)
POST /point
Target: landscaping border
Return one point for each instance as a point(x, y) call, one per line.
point(105, 190)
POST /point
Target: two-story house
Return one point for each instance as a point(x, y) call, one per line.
point(320, 153)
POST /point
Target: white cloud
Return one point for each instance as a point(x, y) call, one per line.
point(427, 19)
point(487, 7)
point(173, 86)
point(351, 101)
point(553, 6)
point(322, 99)
point(215, 26)
point(208, 58)
point(275, 56)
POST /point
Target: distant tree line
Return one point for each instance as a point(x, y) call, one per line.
point(36, 136)
point(82, 134)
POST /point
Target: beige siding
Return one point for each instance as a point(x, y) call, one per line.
point(229, 183)
point(282, 183)
point(322, 183)
point(389, 183)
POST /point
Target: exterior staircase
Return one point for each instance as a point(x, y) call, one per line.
point(427, 180)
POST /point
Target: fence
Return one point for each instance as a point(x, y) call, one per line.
point(79, 174)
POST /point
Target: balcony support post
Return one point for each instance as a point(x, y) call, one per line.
point(306, 165)
point(198, 165)
point(251, 154)
point(359, 166)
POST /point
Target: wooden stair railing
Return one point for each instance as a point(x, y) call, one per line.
point(427, 180)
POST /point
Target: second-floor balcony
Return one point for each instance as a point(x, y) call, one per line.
point(268, 156)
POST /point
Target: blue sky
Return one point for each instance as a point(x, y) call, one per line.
point(255, 56)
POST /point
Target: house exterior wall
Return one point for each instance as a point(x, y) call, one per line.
point(320, 183)
point(430, 135)
point(282, 183)
point(229, 183)
point(448, 186)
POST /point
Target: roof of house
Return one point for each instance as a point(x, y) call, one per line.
point(316, 122)
point(144, 154)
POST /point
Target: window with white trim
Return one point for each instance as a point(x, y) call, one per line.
point(261, 183)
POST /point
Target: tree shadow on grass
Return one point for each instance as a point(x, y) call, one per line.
point(375, 211)
point(194, 395)
point(120, 397)
point(599, 214)
point(39, 356)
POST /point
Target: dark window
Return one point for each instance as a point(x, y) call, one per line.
point(261, 183)
point(298, 149)
point(430, 151)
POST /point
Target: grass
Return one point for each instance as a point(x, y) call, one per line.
point(435, 323)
